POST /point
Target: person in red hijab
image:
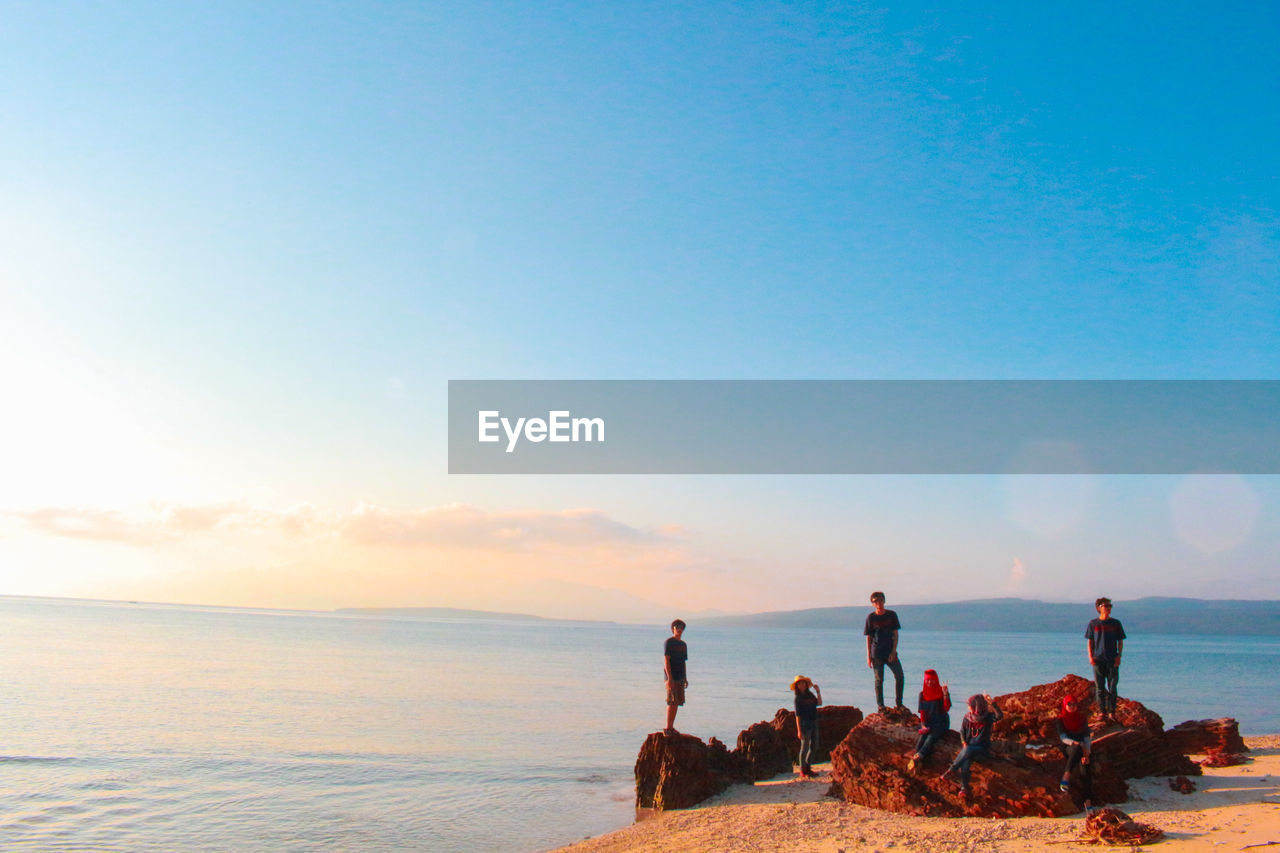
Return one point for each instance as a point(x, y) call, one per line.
point(1073, 731)
point(935, 702)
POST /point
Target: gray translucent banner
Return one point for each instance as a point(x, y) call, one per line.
point(863, 427)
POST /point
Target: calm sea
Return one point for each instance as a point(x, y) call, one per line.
point(141, 727)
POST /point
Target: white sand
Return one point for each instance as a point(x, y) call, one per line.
point(1231, 808)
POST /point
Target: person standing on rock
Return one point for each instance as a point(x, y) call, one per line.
point(808, 698)
point(935, 721)
point(975, 733)
point(1105, 638)
point(674, 655)
point(881, 631)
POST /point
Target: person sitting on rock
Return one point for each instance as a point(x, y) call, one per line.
point(1073, 731)
point(807, 702)
point(975, 733)
point(935, 702)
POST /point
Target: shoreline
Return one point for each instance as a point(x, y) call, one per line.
point(1232, 807)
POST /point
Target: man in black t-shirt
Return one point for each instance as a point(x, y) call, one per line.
point(674, 654)
point(1105, 642)
point(882, 648)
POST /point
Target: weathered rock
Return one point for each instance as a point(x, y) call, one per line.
point(1030, 716)
point(869, 767)
point(1198, 737)
point(1135, 715)
point(675, 771)
point(1218, 758)
point(763, 752)
point(834, 722)
point(1182, 785)
point(1135, 753)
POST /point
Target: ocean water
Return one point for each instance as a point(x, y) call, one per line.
point(147, 727)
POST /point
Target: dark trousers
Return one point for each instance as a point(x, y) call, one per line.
point(1106, 675)
point(895, 666)
point(808, 744)
point(1074, 753)
point(970, 753)
point(926, 742)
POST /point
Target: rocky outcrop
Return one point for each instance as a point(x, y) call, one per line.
point(1135, 715)
point(675, 771)
point(834, 722)
point(869, 767)
point(1029, 716)
point(762, 752)
point(1135, 753)
point(1200, 737)
point(869, 757)
point(1027, 760)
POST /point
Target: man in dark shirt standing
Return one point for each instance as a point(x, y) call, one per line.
point(674, 654)
point(882, 648)
point(1105, 638)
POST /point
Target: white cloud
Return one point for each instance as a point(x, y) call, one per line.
point(449, 526)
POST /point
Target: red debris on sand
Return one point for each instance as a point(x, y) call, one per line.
point(1112, 826)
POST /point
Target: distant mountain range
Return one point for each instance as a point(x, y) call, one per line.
point(436, 613)
point(1143, 615)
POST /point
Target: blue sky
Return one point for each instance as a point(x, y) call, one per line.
point(250, 243)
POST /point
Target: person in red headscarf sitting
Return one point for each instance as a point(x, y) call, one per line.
point(1073, 731)
point(935, 702)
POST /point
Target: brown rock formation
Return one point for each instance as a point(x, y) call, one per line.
point(1030, 716)
point(834, 722)
point(677, 771)
point(763, 752)
point(1135, 715)
point(869, 768)
point(1134, 753)
point(1199, 737)
point(869, 763)
point(1218, 758)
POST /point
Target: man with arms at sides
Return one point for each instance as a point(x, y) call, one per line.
point(1105, 642)
point(881, 631)
point(674, 655)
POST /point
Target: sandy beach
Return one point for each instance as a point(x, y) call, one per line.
point(1232, 808)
